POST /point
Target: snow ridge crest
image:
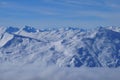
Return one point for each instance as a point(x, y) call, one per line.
point(70, 47)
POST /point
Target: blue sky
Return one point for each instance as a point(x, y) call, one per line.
point(60, 13)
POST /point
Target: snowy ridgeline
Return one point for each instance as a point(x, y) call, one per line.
point(68, 47)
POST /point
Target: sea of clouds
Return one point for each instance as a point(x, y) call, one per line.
point(39, 72)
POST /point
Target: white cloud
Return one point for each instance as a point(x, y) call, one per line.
point(37, 72)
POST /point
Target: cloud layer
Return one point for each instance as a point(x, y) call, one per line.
point(36, 72)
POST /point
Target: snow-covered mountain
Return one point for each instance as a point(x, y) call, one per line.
point(70, 47)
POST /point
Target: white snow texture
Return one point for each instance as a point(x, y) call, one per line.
point(59, 54)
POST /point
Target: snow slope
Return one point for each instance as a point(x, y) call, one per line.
point(67, 47)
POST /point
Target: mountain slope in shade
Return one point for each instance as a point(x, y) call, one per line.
point(70, 47)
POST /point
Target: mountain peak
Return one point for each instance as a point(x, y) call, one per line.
point(12, 29)
point(63, 48)
point(29, 29)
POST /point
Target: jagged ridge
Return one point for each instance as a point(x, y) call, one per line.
point(71, 47)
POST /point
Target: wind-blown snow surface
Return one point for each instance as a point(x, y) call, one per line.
point(59, 54)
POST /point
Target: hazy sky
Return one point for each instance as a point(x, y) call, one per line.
point(60, 13)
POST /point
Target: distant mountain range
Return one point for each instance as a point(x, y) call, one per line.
point(69, 47)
